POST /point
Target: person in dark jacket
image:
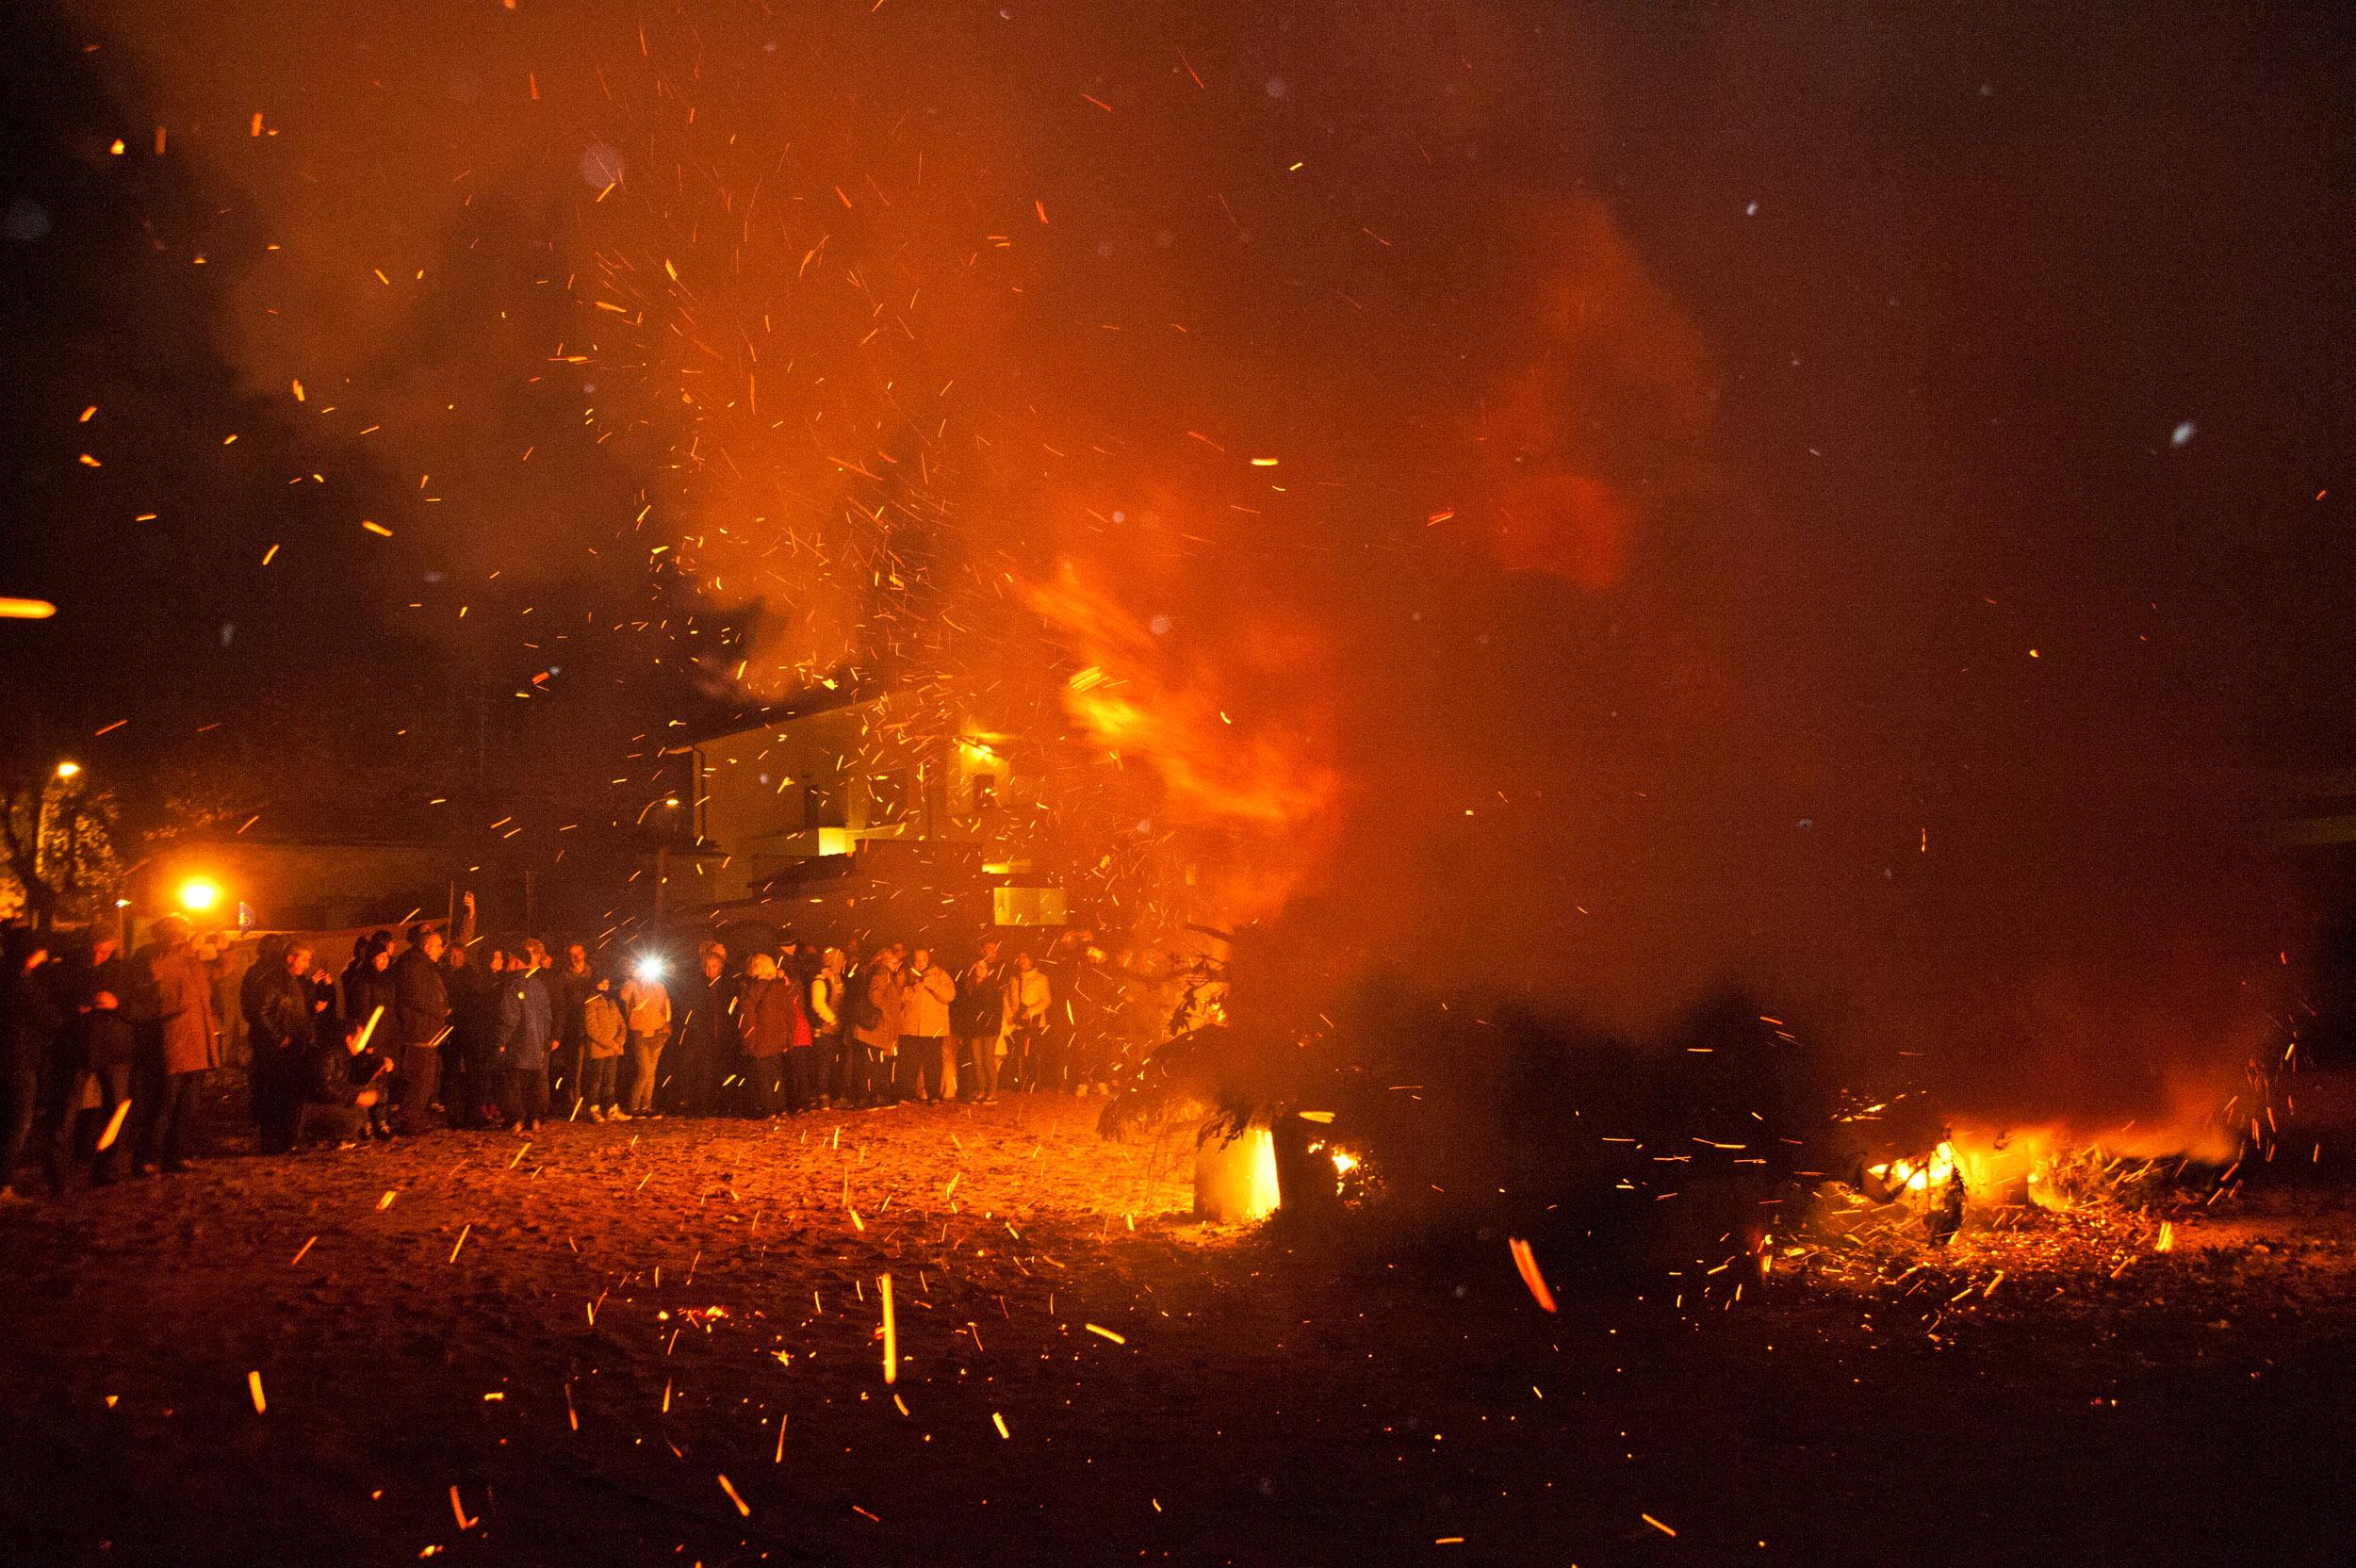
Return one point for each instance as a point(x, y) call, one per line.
point(363, 951)
point(369, 985)
point(975, 1018)
point(468, 1084)
point(421, 1015)
point(463, 1054)
point(29, 1037)
point(570, 984)
point(525, 1035)
point(269, 948)
point(107, 1053)
point(281, 1030)
point(335, 1100)
point(707, 1037)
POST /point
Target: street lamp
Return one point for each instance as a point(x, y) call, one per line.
point(199, 895)
point(68, 769)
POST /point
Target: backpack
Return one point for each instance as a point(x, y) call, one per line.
point(866, 1015)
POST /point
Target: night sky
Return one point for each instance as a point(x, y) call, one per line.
point(1844, 499)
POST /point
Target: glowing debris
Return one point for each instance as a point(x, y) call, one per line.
point(1527, 1263)
point(114, 1130)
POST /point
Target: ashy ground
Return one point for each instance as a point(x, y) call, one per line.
point(661, 1344)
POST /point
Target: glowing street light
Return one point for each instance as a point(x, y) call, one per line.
point(199, 895)
point(68, 770)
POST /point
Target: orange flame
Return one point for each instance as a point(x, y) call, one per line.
point(1258, 766)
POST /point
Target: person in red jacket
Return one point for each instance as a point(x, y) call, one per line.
point(766, 1016)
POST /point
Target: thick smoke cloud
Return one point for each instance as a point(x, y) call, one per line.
point(1418, 419)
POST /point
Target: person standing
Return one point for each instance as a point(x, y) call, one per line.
point(569, 984)
point(363, 951)
point(526, 1035)
point(462, 1053)
point(269, 950)
point(705, 1039)
point(281, 1033)
point(468, 1087)
point(607, 1033)
point(876, 1023)
point(422, 1013)
point(765, 1016)
point(29, 1035)
point(828, 1036)
point(107, 1053)
point(929, 989)
point(369, 986)
point(179, 995)
point(1028, 998)
point(801, 1057)
point(976, 1019)
point(646, 1004)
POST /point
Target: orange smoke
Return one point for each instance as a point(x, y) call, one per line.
point(1613, 393)
point(1244, 750)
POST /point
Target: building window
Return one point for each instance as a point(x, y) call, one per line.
point(887, 799)
point(822, 807)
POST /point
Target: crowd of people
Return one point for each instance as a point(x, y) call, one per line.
point(107, 1052)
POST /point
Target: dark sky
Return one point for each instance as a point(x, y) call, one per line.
point(1849, 498)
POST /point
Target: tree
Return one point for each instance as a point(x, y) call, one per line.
point(58, 836)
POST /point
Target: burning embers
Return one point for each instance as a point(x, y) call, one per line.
point(2079, 1203)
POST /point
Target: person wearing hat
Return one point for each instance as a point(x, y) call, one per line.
point(179, 1002)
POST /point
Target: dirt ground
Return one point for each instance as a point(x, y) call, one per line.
point(595, 1347)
